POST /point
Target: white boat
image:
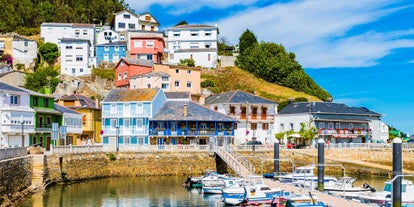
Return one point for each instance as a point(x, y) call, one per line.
point(407, 194)
point(344, 187)
point(215, 186)
point(303, 175)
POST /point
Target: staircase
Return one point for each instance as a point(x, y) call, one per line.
point(38, 169)
point(241, 166)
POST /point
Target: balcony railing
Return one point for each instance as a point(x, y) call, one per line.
point(125, 131)
point(107, 114)
point(43, 127)
point(344, 132)
point(253, 116)
point(190, 132)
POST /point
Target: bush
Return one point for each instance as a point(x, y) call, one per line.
point(104, 73)
point(207, 83)
point(111, 156)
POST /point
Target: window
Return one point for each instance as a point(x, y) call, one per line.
point(177, 83)
point(194, 34)
point(113, 109)
point(125, 75)
point(79, 48)
point(232, 110)
point(208, 57)
point(253, 126)
point(150, 43)
point(189, 84)
point(194, 45)
point(188, 71)
point(119, 76)
point(330, 125)
point(337, 125)
point(265, 126)
point(81, 70)
point(140, 109)
point(115, 57)
point(321, 125)
point(282, 127)
point(127, 123)
point(85, 32)
point(106, 56)
point(148, 85)
point(26, 43)
point(176, 34)
point(69, 47)
point(127, 140)
point(131, 26)
point(121, 25)
point(137, 43)
point(113, 123)
point(79, 58)
point(207, 45)
point(48, 120)
point(364, 126)
point(172, 56)
point(291, 126)
point(122, 37)
point(235, 126)
point(177, 71)
point(215, 108)
point(207, 34)
point(14, 100)
point(127, 16)
point(142, 27)
point(165, 78)
point(152, 28)
point(148, 18)
point(149, 57)
point(106, 48)
point(77, 32)
point(73, 71)
point(165, 86)
point(116, 48)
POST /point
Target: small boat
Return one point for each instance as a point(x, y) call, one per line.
point(344, 187)
point(216, 186)
point(407, 194)
point(303, 200)
point(193, 182)
point(303, 175)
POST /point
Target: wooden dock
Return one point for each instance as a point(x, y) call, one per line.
point(324, 197)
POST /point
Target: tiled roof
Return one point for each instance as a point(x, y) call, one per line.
point(135, 61)
point(140, 94)
point(325, 108)
point(178, 95)
point(236, 97)
point(152, 74)
point(117, 43)
point(7, 87)
point(85, 102)
point(174, 110)
point(65, 109)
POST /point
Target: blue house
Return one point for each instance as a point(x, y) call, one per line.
point(110, 52)
point(126, 114)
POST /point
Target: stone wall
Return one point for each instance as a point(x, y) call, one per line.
point(15, 177)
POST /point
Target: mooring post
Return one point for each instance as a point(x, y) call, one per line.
point(321, 168)
point(396, 170)
point(276, 157)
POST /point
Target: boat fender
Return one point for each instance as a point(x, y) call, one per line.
point(366, 186)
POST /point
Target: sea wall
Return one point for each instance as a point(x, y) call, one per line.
point(15, 178)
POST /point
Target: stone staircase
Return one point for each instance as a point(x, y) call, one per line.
point(38, 170)
point(241, 166)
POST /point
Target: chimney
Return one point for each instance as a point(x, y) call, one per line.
point(185, 110)
point(97, 104)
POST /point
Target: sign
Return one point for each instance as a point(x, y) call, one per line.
point(55, 127)
point(63, 130)
point(55, 135)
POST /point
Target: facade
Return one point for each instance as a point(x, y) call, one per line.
point(335, 122)
point(72, 124)
point(128, 67)
point(125, 20)
point(197, 42)
point(18, 118)
point(147, 46)
point(91, 123)
point(107, 35)
point(255, 115)
point(147, 22)
point(110, 52)
point(24, 51)
point(75, 57)
point(126, 114)
point(151, 80)
point(186, 122)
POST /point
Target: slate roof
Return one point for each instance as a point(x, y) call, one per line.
point(117, 43)
point(192, 26)
point(236, 97)
point(196, 50)
point(84, 101)
point(7, 87)
point(73, 40)
point(139, 94)
point(135, 61)
point(325, 108)
point(152, 74)
point(174, 110)
point(178, 95)
point(65, 109)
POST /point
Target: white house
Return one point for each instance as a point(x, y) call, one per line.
point(17, 117)
point(107, 36)
point(197, 42)
point(75, 58)
point(24, 51)
point(72, 122)
point(255, 115)
point(125, 20)
point(148, 23)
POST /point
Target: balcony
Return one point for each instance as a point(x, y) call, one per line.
point(253, 116)
point(17, 128)
point(43, 128)
point(345, 132)
point(190, 132)
point(111, 131)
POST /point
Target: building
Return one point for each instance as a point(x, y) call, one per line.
point(126, 114)
point(197, 42)
point(151, 80)
point(146, 45)
point(335, 122)
point(255, 115)
point(24, 51)
point(13, 77)
point(18, 118)
point(110, 52)
point(126, 20)
point(128, 67)
point(75, 57)
point(107, 35)
point(147, 22)
point(91, 123)
point(71, 127)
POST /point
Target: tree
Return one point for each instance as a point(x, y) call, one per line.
point(223, 47)
point(49, 52)
point(6, 58)
point(187, 62)
point(41, 78)
point(247, 40)
point(183, 22)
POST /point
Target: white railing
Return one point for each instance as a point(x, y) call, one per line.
point(12, 152)
point(236, 161)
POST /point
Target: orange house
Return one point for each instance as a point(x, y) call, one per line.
point(149, 47)
point(128, 67)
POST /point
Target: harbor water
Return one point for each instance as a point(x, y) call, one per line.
point(136, 191)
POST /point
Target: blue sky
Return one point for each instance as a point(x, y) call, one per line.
point(361, 52)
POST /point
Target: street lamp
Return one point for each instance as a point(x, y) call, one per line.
point(117, 141)
point(22, 133)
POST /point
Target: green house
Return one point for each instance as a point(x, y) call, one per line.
point(45, 115)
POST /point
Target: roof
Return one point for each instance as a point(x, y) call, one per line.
point(85, 102)
point(20, 38)
point(196, 50)
point(236, 97)
point(152, 74)
point(47, 111)
point(73, 40)
point(174, 110)
point(178, 95)
point(145, 13)
point(7, 87)
point(139, 94)
point(135, 61)
point(127, 11)
point(193, 26)
point(325, 108)
point(65, 109)
point(117, 43)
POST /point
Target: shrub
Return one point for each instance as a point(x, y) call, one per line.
point(104, 73)
point(111, 156)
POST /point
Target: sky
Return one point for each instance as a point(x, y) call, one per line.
point(361, 52)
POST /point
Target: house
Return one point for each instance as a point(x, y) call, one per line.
point(24, 51)
point(185, 122)
point(147, 22)
point(335, 122)
point(128, 67)
point(18, 118)
point(13, 77)
point(125, 20)
point(91, 122)
point(75, 58)
point(110, 52)
point(151, 80)
point(146, 45)
point(197, 42)
point(107, 35)
point(71, 127)
point(126, 114)
point(255, 115)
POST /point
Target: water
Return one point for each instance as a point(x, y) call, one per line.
point(136, 191)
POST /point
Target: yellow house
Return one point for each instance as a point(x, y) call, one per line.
point(91, 120)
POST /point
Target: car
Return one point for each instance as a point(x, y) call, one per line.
point(254, 142)
point(410, 141)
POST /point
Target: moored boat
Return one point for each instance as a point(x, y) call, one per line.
point(407, 194)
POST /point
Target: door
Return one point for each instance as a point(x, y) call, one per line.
point(160, 143)
point(48, 142)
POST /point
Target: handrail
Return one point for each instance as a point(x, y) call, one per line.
point(12, 152)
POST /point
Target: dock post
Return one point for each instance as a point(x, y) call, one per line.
point(321, 167)
point(396, 171)
point(276, 157)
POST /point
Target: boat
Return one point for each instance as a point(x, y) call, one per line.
point(344, 187)
point(303, 175)
point(193, 182)
point(216, 186)
point(382, 197)
point(197, 182)
point(303, 200)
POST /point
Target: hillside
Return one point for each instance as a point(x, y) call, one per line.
point(233, 78)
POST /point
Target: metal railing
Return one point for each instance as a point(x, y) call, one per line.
point(12, 152)
point(236, 161)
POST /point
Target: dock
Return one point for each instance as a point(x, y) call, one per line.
point(324, 197)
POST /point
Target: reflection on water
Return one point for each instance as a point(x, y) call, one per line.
point(138, 191)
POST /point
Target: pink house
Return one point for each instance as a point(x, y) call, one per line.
point(128, 67)
point(147, 47)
